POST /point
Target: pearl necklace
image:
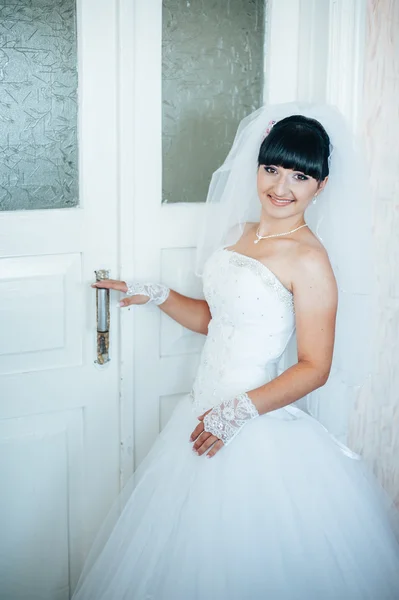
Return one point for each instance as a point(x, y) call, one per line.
point(273, 235)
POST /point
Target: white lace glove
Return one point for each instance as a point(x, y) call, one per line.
point(228, 418)
point(156, 292)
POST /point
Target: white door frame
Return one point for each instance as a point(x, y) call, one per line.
point(318, 58)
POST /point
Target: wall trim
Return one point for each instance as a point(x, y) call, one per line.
point(317, 54)
point(281, 47)
point(345, 66)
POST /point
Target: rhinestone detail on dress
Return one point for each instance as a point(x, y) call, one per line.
point(267, 276)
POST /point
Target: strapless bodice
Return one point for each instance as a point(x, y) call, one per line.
point(252, 322)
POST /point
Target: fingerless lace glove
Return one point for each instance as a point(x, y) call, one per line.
point(228, 418)
point(156, 292)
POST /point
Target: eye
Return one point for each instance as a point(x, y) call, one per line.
point(269, 169)
point(302, 177)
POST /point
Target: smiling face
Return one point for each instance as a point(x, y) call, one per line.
point(292, 166)
point(285, 192)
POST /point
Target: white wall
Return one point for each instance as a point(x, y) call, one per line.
point(374, 428)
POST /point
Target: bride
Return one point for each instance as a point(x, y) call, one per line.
point(282, 510)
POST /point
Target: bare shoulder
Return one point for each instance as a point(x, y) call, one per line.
point(313, 256)
point(313, 271)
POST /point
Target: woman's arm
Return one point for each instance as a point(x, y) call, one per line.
point(315, 301)
point(191, 313)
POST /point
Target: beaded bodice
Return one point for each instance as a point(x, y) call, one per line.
point(252, 322)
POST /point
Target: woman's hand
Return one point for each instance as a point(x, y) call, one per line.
point(120, 286)
point(222, 423)
point(204, 440)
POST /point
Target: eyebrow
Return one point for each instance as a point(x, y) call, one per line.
point(280, 167)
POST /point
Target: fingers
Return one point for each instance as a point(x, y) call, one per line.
point(204, 442)
point(110, 284)
point(216, 447)
point(137, 299)
point(200, 440)
point(120, 286)
point(197, 431)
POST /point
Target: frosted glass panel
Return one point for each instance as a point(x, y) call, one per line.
point(213, 56)
point(38, 109)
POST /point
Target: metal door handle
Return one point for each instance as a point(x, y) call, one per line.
point(103, 319)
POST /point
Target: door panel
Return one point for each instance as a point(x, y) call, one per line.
point(42, 474)
point(40, 306)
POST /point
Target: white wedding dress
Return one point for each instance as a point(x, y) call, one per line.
point(282, 513)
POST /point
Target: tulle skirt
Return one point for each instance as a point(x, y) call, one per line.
point(282, 513)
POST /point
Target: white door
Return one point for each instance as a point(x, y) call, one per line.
point(59, 411)
point(234, 43)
